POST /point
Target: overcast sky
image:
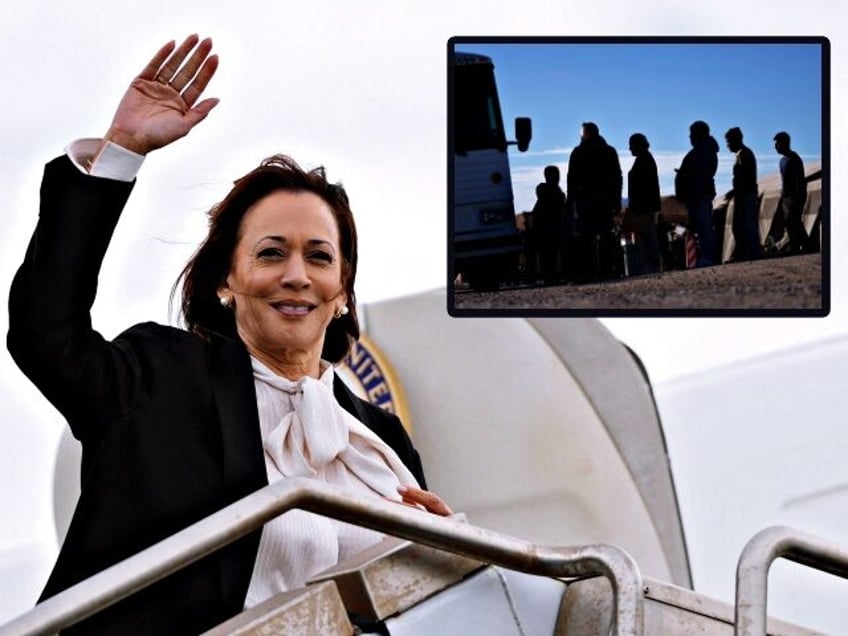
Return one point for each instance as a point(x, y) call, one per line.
point(359, 87)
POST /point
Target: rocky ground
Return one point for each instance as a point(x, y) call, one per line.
point(780, 285)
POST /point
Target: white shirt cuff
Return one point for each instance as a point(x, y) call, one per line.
point(113, 162)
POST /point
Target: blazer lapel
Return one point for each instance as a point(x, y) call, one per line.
point(349, 403)
point(243, 457)
point(387, 427)
point(235, 396)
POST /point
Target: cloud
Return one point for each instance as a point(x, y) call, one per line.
point(548, 152)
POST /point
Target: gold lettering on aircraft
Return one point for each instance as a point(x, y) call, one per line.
point(370, 375)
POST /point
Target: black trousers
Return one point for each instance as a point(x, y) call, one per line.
point(793, 211)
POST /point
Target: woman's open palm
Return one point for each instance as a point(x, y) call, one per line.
point(160, 105)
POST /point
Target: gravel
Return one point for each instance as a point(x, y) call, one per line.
point(791, 285)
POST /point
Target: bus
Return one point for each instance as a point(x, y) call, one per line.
point(486, 242)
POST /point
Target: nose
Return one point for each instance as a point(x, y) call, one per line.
point(295, 275)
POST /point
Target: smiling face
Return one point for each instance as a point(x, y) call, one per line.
point(286, 280)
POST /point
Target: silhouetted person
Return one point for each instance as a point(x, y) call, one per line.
point(694, 185)
point(746, 226)
point(793, 194)
point(548, 221)
point(528, 241)
point(594, 189)
point(643, 193)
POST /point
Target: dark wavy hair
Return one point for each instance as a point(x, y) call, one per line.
point(202, 277)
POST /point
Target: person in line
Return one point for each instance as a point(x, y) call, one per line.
point(643, 195)
point(594, 185)
point(746, 226)
point(694, 186)
point(549, 224)
point(178, 423)
point(793, 194)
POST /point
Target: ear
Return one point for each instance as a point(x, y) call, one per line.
point(341, 308)
point(225, 295)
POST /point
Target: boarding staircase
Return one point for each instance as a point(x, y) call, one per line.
point(435, 575)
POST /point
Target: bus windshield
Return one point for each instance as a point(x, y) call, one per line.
point(477, 116)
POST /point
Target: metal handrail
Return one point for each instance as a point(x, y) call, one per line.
point(757, 556)
point(225, 526)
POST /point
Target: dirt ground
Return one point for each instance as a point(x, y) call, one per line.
point(775, 285)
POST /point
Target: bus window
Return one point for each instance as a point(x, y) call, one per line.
point(477, 124)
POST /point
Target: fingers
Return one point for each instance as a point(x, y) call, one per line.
point(169, 69)
point(149, 71)
point(199, 112)
point(188, 70)
point(189, 79)
point(198, 85)
point(429, 500)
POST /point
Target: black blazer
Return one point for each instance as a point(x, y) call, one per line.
point(167, 420)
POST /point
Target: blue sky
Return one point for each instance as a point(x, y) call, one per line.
point(658, 89)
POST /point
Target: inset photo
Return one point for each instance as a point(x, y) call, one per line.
point(638, 176)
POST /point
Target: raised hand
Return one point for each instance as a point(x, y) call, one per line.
point(160, 105)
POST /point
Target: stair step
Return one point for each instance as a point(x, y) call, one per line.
point(394, 575)
point(316, 610)
point(669, 610)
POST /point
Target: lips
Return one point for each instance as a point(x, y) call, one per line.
point(292, 308)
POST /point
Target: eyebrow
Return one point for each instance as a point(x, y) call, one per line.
point(282, 239)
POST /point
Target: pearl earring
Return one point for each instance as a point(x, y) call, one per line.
point(226, 301)
point(342, 311)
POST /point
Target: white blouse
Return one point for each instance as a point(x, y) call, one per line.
point(306, 433)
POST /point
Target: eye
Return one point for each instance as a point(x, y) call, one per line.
point(270, 253)
point(321, 255)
